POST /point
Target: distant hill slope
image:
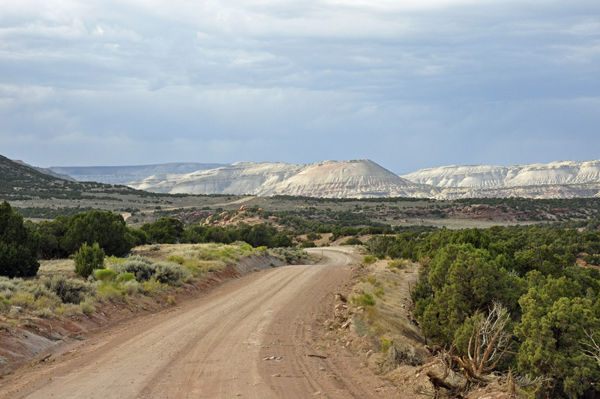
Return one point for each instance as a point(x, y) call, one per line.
point(498, 177)
point(360, 178)
point(44, 170)
point(20, 182)
point(350, 179)
point(123, 174)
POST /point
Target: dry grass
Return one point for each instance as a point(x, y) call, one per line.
point(389, 287)
point(59, 267)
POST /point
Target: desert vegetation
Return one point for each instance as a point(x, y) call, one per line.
point(59, 288)
point(515, 298)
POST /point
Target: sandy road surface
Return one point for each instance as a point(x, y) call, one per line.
point(213, 346)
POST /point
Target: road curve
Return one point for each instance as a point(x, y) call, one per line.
point(212, 346)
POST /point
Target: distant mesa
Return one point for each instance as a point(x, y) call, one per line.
point(346, 179)
point(364, 178)
point(484, 176)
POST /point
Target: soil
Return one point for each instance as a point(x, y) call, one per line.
point(260, 336)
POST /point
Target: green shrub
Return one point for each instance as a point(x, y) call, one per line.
point(87, 308)
point(176, 259)
point(111, 291)
point(43, 312)
point(368, 260)
point(88, 259)
point(152, 288)
point(125, 277)
point(364, 300)
point(194, 269)
point(105, 275)
point(352, 241)
point(4, 303)
point(70, 290)
point(170, 273)
point(308, 244)
point(397, 264)
point(131, 287)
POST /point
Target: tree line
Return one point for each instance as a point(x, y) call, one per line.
point(22, 244)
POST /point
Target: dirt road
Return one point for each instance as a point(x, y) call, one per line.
point(214, 346)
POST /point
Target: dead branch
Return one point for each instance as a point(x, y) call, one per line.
point(591, 348)
point(488, 343)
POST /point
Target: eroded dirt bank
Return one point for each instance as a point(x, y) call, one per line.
point(214, 346)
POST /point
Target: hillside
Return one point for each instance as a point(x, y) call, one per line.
point(44, 170)
point(350, 179)
point(498, 177)
point(122, 174)
point(20, 183)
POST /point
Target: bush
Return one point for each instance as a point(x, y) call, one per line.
point(308, 244)
point(131, 287)
point(352, 241)
point(87, 308)
point(4, 303)
point(88, 259)
point(70, 290)
point(397, 264)
point(105, 275)
point(125, 277)
point(368, 260)
point(169, 273)
point(288, 254)
point(364, 300)
point(112, 292)
point(142, 268)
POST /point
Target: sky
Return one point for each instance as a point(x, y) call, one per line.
point(407, 84)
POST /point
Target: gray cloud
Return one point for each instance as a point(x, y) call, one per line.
point(407, 84)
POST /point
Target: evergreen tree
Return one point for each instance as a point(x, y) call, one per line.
point(18, 245)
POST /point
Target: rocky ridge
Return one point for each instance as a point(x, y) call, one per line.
point(346, 179)
point(497, 177)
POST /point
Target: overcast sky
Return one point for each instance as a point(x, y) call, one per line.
point(408, 84)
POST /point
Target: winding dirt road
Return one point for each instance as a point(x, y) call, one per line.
point(214, 346)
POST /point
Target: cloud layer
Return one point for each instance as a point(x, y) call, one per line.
point(407, 84)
